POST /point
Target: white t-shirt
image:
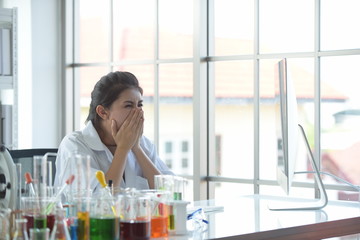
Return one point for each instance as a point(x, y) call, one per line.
point(88, 142)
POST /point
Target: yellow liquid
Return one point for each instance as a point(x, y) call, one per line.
point(83, 225)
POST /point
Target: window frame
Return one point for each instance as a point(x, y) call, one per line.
point(203, 99)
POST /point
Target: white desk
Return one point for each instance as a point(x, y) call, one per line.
point(248, 217)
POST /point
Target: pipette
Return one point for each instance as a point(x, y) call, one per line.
point(29, 182)
point(32, 193)
point(50, 206)
point(101, 178)
point(110, 186)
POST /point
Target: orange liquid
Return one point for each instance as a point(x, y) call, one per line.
point(159, 226)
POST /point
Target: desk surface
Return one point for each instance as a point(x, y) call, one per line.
point(248, 217)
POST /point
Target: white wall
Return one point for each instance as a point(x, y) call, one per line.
point(46, 75)
point(39, 72)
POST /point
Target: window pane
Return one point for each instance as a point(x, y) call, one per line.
point(286, 26)
point(300, 72)
point(268, 138)
point(233, 27)
point(184, 146)
point(175, 28)
point(340, 117)
point(88, 77)
point(234, 121)
point(185, 163)
point(93, 32)
point(339, 24)
point(168, 147)
point(176, 113)
point(168, 162)
point(133, 29)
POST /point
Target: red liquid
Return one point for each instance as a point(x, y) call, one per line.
point(50, 221)
point(134, 230)
point(159, 227)
point(30, 223)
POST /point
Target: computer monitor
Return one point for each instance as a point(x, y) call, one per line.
point(288, 131)
point(287, 126)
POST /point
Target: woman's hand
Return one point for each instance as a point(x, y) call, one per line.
point(140, 133)
point(128, 134)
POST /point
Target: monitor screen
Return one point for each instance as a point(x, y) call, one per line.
point(287, 126)
point(288, 131)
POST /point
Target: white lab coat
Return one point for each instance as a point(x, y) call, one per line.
point(88, 142)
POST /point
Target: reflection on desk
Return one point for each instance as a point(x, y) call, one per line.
point(248, 217)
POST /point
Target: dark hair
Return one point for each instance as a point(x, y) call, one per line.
point(108, 89)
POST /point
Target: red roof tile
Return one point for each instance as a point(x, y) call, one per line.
point(234, 79)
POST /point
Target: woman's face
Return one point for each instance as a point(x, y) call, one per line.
point(120, 108)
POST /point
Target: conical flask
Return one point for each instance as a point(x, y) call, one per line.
point(60, 230)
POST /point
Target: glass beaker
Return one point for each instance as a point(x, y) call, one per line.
point(5, 223)
point(32, 213)
point(20, 229)
point(39, 234)
point(104, 222)
point(160, 210)
point(34, 210)
point(135, 216)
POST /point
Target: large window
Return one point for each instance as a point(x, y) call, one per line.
point(207, 69)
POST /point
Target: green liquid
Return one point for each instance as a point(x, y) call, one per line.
point(177, 196)
point(40, 222)
point(103, 229)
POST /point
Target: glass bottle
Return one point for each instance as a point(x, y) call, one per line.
point(20, 229)
point(60, 230)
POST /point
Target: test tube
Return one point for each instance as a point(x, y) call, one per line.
point(49, 170)
point(80, 191)
point(39, 175)
point(19, 177)
point(49, 167)
point(164, 182)
point(179, 188)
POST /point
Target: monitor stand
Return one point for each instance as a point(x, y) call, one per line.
point(304, 204)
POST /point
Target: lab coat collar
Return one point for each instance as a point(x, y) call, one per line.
point(92, 138)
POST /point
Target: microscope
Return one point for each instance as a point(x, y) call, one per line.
point(8, 180)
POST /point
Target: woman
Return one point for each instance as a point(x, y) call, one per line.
point(113, 137)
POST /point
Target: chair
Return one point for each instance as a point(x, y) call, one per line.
point(25, 157)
